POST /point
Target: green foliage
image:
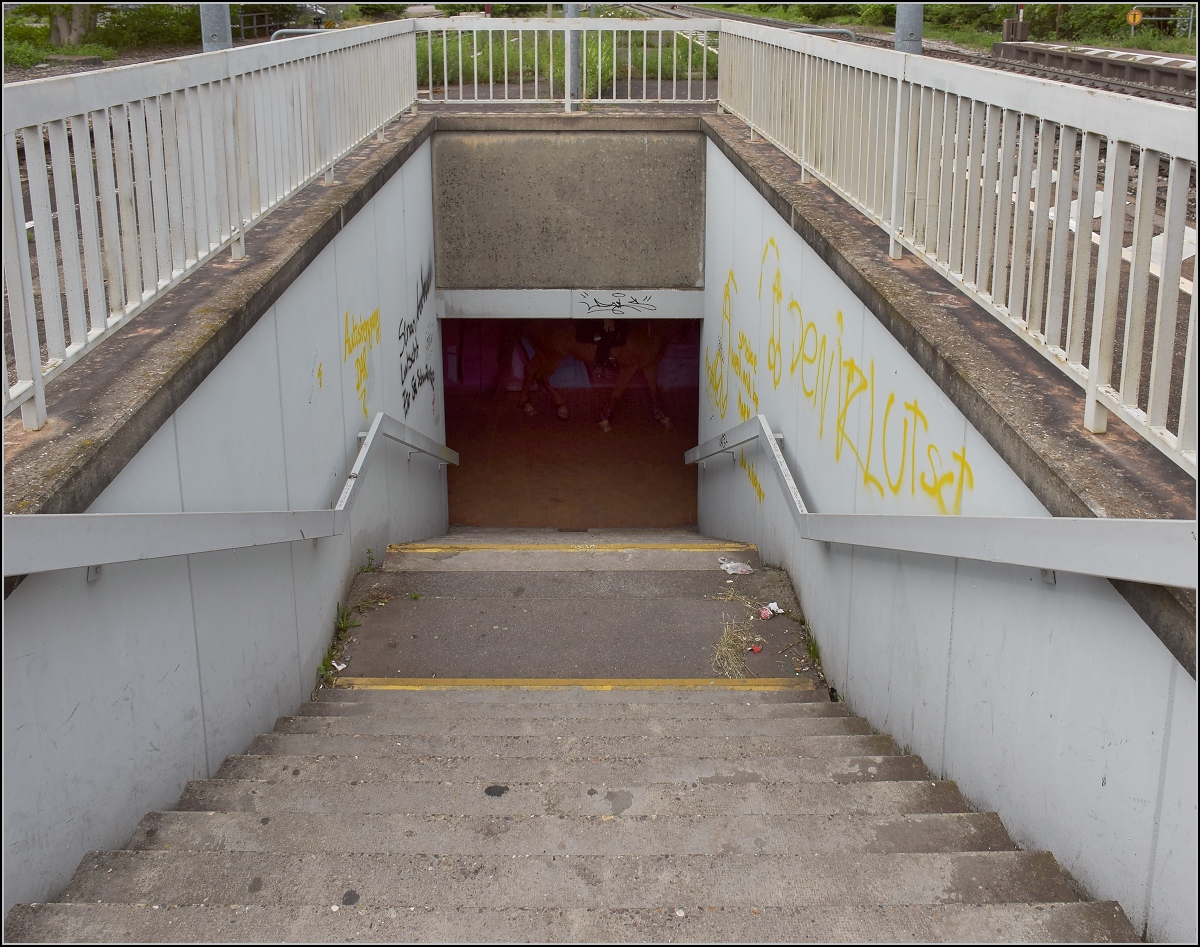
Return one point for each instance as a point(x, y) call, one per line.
point(370, 565)
point(154, 24)
point(382, 11)
point(345, 619)
point(485, 57)
point(877, 14)
point(23, 54)
point(26, 24)
point(498, 9)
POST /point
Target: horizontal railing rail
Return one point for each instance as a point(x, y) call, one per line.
point(39, 542)
point(1063, 211)
point(467, 60)
point(118, 184)
point(1162, 552)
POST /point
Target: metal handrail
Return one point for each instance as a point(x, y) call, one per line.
point(39, 542)
point(1162, 552)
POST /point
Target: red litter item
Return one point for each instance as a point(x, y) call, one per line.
point(756, 648)
point(764, 613)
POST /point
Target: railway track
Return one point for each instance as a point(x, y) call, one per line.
point(1140, 90)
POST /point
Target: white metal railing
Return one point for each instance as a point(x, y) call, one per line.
point(610, 60)
point(39, 542)
point(181, 158)
point(989, 177)
point(1162, 552)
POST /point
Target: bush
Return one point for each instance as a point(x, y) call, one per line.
point(382, 11)
point(877, 14)
point(25, 25)
point(154, 24)
point(22, 54)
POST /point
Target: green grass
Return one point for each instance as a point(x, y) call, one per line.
point(973, 28)
point(343, 621)
point(485, 57)
point(26, 55)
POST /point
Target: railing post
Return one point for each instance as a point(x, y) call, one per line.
point(22, 315)
point(568, 63)
point(1104, 313)
point(899, 167)
point(327, 116)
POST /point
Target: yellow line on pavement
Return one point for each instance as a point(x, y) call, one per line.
point(568, 547)
point(585, 683)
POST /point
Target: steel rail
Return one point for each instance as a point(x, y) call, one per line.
point(1137, 89)
point(1161, 552)
point(40, 542)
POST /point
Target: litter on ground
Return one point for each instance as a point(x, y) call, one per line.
point(734, 568)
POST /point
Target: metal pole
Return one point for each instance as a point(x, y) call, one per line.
point(215, 27)
point(571, 11)
point(910, 18)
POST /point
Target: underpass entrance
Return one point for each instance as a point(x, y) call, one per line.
point(525, 406)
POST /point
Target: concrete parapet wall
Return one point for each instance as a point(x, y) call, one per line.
point(1048, 698)
point(246, 389)
point(576, 207)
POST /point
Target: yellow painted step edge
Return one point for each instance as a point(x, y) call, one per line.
point(585, 683)
point(428, 548)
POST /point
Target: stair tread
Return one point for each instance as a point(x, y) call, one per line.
point(842, 737)
point(1079, 922)
point(739, 708)
point(577, 835)
point(343, 769)
point(435, 796)
point(716, 694)
point(621, 881)
point(822, 720)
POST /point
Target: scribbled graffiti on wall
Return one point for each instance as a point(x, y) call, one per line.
point(617, 304)
point(410, 344)
point(360, 337)
point(893, 451)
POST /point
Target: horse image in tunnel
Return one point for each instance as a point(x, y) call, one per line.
point(553, 340)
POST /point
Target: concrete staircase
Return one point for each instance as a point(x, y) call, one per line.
point(684, 811)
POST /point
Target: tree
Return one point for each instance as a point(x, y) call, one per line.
point(70, 22)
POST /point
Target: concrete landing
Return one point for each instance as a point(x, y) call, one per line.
point(549, 604)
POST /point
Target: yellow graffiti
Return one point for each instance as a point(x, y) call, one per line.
point(751, 474)
point(361, 334)
point(320, 374)
point(774, 349)
point(818, 357)
point(716, 368)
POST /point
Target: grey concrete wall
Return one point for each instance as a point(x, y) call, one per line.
point(116, 692)
point(1053, 704)
point(526, 209)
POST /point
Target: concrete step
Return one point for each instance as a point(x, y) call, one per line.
point(564, 587)
point(568, 881)
point(593, 556)
point(683, 920)
point(452, 710)
point(340, 831)
point(572, 799)
point(346, 770)
point(818, 720)
point(716, 693)
point(823, 737)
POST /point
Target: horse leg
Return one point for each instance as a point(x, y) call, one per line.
point(559, 400)
point(651, 373)
point(526, 404)
point(624, 376)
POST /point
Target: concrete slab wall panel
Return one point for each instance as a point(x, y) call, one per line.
point(118, 691)
point(569, 209)
point(1053, 704)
